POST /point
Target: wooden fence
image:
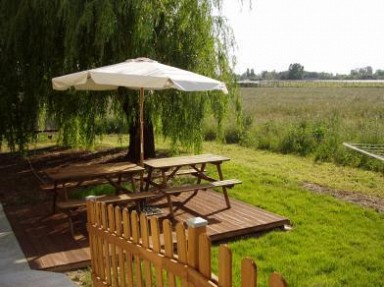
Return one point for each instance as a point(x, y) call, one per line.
point(131, 250)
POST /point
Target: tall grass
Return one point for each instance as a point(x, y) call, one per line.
point(315, 121)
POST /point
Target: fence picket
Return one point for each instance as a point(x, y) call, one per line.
point(168, 246)
point(181, 248)
point(205, 255)
point(128, 256)
point(108, 273)
point(120, 253)
point(145, 242)
point(136, 239)
point(248, 273)
point(97, 268)
point(92, 246)
point(225, 266)
point(276, 280)
point(112, 228)
point(155, 233)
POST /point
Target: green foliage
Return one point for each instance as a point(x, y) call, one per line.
point(295, 71)
point(209, 134)
point(42, 39)
point(231, 135)
point(299, 139)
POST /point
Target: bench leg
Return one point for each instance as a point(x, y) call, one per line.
point(149, 178)
point(218, 166)
point(117, 191)
point(54, 198)
point(133, 184)
point(70, 223)
point(170, 205)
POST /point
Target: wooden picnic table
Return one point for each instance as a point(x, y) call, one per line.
point(75, 176)
point(194, 165)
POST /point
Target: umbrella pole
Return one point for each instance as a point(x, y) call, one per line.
point(141, 105)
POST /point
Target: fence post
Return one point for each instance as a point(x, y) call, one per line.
point(196, 226)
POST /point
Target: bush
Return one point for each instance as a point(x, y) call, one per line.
point(209, 134)
point(232, 135)
point(300, 140)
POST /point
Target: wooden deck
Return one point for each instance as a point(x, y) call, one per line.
point(48, 245)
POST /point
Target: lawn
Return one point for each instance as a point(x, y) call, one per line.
point(332, 243)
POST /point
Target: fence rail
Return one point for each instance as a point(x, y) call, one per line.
point(130, 250)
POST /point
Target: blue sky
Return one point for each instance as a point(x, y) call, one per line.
point(323, 35)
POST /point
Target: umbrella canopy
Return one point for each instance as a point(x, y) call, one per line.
point(136, 74)
point(142, 74)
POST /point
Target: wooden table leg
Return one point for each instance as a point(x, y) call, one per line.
point(201, 170)
point(149, 178)
point(133, 183)
point(165, 178)
point(170, 205)
point(164, 185)
point(54, 199)
point(218, 166)
point(117, 191)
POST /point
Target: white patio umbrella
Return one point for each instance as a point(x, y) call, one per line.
point(142, 74)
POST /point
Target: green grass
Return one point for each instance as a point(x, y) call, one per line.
point(333, 243)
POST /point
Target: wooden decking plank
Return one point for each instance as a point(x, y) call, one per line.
point(239, 220)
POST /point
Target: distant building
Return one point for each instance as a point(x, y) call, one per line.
point(248, 83)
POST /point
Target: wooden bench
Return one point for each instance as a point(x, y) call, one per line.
point(69, 207)
point(180, 172)
point(73, 185)
point(192, 187)
point(196, 187)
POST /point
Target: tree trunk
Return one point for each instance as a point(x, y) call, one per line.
point(134, 142)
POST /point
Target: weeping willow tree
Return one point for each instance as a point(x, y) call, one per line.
point(42, 39)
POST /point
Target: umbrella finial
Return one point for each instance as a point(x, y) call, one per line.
point(141, 59)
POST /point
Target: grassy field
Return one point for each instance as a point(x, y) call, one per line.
point(315, 121)
point(354, 105)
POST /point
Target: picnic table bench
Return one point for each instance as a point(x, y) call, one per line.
point(76, 176)
point(167, 168)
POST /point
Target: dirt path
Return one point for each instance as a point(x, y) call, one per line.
point(357, 198)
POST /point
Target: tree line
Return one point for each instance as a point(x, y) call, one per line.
point(296, 71)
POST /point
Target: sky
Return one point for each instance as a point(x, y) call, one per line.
point(332, 36)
